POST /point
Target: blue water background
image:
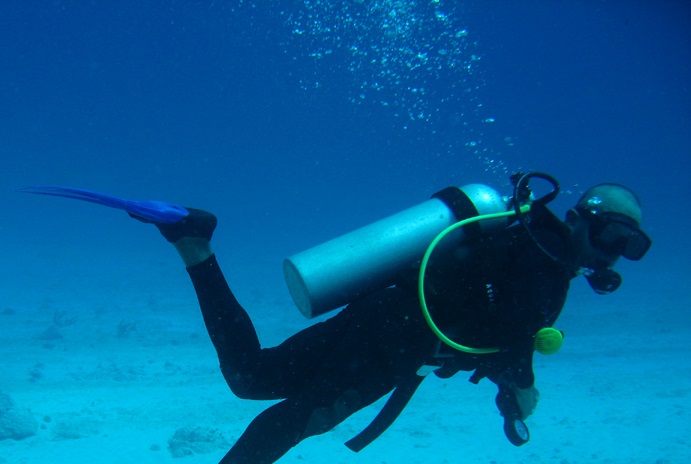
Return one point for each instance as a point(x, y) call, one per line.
point(298, 121)
point(224, 105)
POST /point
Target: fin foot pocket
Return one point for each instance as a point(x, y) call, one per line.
point(198, 223)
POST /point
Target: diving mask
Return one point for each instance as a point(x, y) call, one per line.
point(616, 234)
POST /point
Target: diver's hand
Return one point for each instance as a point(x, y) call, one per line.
point(515, 405)
point(527, 399)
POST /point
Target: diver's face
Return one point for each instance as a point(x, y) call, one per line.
point(599, 238)
point(593, 261)
point(586, 254)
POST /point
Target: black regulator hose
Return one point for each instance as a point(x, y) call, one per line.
point(522, 193)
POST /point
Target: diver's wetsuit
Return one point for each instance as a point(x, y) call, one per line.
point(500, 294)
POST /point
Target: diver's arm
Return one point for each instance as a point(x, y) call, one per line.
point(538, 288)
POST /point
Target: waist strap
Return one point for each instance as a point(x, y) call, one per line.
point(388, 414)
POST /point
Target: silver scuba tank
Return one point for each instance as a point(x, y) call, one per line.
point(353, 265)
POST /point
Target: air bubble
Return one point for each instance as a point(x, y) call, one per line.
point(418, 52)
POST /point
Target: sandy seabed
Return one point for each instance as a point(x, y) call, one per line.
point(114, 365)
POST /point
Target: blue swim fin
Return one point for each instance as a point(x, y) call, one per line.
point(151, 210)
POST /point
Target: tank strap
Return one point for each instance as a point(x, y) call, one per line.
point(388, 414)
point(462, 207)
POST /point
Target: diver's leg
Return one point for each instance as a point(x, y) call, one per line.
point(315, 411)
point(230, 329)
point(193, 250)
point(381, 347)
point(253, 372)
point(339, 390)
point(250, 371)
point(228, 324)
point(270, 435)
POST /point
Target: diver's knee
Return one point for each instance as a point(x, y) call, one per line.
point(242, 385)
point(324, 419)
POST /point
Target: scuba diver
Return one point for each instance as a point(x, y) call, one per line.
point(498, 291)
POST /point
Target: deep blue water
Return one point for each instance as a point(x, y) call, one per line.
point(319, 118)
point(296, 121)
